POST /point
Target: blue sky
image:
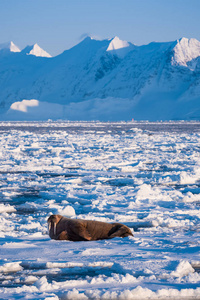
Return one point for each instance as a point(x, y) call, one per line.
point(57, 25)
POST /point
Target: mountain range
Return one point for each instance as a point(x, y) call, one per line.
point(107, 80)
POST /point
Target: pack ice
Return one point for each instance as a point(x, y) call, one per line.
point(145, 175)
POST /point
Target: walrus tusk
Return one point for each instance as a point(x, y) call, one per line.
point(49, 226)
point(54, 228)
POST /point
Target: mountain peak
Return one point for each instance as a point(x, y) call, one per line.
point(185, 50)
point(36, 50)
point(183, 40)
point(9, 46)
point(116, 44)
point(119, 47)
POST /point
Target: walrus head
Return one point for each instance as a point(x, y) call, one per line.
point(52, 223)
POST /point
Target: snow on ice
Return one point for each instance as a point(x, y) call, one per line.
point(145, 175)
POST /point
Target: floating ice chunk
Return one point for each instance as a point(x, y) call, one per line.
point(137, 293)
point(51, 265)
point(184, 268)
point(74, 294)
point(136, 130)
point(155, 223)
point(144, 192)
point(186, 178)
point(42, 284)
point(190, 197)
point(31, 225)
point(193, 277)
point(195, 264)
point(102, 264)
point(11, 267)
point(6, 208)
point(63, 209)
point(114, 280)
point(31, 279)
point(67, 211)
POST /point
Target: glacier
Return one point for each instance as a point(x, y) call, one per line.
point(106, 80)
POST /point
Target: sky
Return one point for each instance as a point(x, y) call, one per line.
point(57, 25)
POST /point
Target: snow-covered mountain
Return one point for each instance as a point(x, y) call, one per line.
point(105, 80)
point(10, 46)
point(119, 47)
point(36, 50)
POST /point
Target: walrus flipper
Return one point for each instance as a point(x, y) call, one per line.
point(120, 231)
point(78, 232)
point(62, 236)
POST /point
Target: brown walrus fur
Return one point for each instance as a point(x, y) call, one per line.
point(62, 228)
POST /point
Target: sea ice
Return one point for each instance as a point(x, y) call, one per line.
point(145, 175)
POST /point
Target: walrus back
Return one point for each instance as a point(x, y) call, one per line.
point(98, 230)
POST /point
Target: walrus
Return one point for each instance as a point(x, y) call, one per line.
point(62, 228)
